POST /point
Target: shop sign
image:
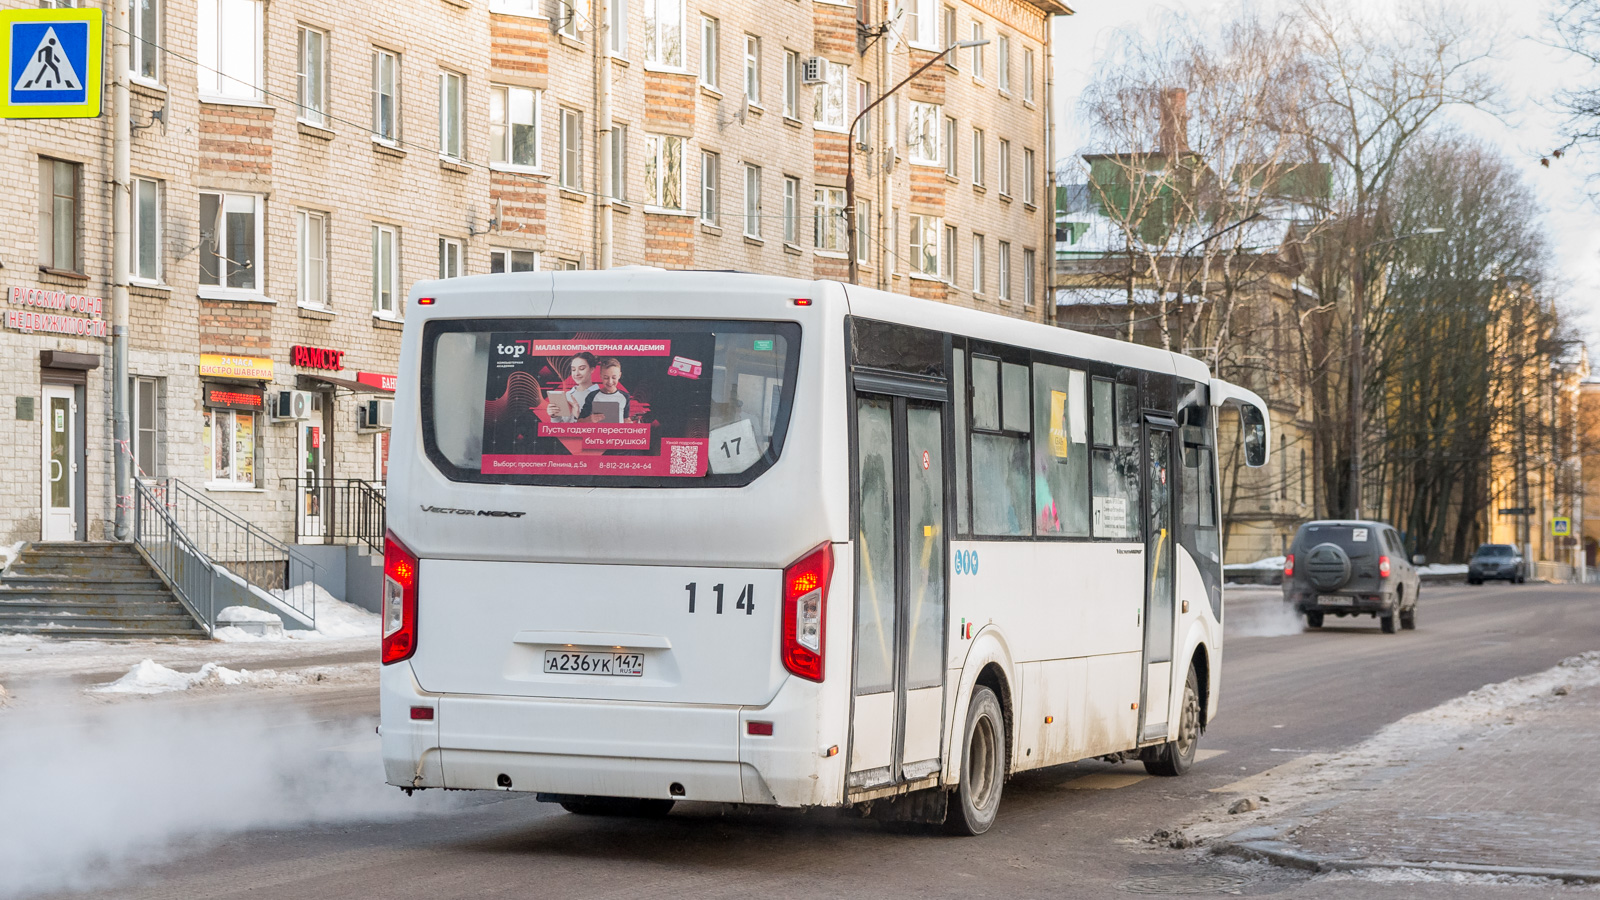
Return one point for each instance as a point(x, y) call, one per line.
point(378, 380)
point(316, 358)
point(55, 312)
point(252, 368)
point(217, 396)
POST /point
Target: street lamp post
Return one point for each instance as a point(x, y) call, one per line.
point(850, 154)
point(1358, 303)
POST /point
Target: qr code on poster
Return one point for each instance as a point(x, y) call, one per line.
point(685, 459)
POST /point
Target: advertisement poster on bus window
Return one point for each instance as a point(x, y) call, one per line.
point(597, 404)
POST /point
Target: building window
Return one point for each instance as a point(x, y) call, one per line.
point(229, 33)
point(710, 188)
point(311, 249)
point(926, 232)
point(230, 441)
point(386, 96)
point(571, 149)
point(569, 265)
point(1027, 74)
point(1005, 168)
point(949, 146)
point(619, 161)
point(146, 230)
point(514, 126)
point(501, 261)
point(617, 26)
point(663, 170)
point(449, 258)
point(978, 264)
point(950, 36)
point(311, 82)
point(574, 15)
point(515, 7)
point(828, 98)
point(710, 47)
point(752, 69)
point(922, 140)
point(1029, 274)
point(1002, 59)
point(385, 270)
point(451, 101)
point(864, 124)
point(863, 230)
point(231, 241)
point(663, 33)
point(1030, 183)
point(1003, 261)
point(145, 426)
point(144, 36)
point(947, 255)
point(791, 84)
point(828, 219)
point(921, 24)
point(977, 51)
point(791, 209)
point(752, 200)
point(977, 156)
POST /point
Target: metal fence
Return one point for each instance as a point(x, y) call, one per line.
point(163, 542)
point(340, 511)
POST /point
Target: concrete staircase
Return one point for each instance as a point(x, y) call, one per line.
point(99, 591)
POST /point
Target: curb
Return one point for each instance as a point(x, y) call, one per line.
point(1291, 857)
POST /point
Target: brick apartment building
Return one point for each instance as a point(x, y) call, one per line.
point(298, 165)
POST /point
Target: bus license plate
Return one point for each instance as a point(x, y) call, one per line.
point(562, 662)
point(1329, 600)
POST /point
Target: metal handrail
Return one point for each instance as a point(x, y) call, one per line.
point(347, 511)
point(157, 535)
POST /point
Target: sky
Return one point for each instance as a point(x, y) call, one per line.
point(1529, 70)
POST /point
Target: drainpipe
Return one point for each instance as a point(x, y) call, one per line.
point(603, 110)
point(1049, 247)
point(121, 146)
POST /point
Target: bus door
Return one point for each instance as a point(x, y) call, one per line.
point(1160, 544)
point(898, 680)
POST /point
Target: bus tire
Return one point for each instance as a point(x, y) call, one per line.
point(1176, 756)
point(983, 767)
point(618, 806)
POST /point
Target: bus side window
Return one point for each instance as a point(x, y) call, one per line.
point(1061, 450)
point(1001, 500)
point(1115, 466)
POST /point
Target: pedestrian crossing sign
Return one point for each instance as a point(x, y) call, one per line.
point(1560, 526)
point(52, 63)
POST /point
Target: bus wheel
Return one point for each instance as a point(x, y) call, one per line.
point(618, 806)
point(1176, 756)
point(983, 767)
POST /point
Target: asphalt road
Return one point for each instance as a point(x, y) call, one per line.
point(1283, 695)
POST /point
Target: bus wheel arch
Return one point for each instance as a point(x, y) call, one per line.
point(993, 677)
point(1201, 663)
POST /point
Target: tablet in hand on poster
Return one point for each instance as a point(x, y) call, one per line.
point(559, 408)
point(609, 409)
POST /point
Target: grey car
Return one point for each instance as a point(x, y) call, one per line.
point(1347, 567)
point(1500, 561)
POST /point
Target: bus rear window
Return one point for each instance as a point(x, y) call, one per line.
point(635, 403)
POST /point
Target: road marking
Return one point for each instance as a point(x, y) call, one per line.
point(1103, 781)
point(1203, 755)
point(1260, 782)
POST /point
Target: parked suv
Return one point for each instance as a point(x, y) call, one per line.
point(1497, 561)
point(1351, 568)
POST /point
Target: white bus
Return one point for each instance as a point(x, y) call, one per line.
point(660, 536)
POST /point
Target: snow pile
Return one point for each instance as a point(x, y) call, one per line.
point(1271, 563)
point(1443, 569)
point(336, 620)
point(251, 621)
point(8, 555)
point(150, 677)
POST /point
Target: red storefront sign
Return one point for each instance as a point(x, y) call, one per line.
point(316, 358)
point(378, 380)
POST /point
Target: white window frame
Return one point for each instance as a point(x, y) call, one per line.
point(379, 56)
point(947, 255)
point(1030, 180)
point(617, 27)
point(924, 134)
point(311, 258)
point(752, 69)
point(950, 143)
point(311, 93)
point(710, 51)
point(827, 216)
point(1030, 261)
point(385, 273)
point(452, 114)
point(791, 84)
point(451, 255)
point(863, 231)
point(230, 480)
point(752, 201)
point(1003, 162)
point(526, 8)
point(1027, 74)
point(863, 135)
point(1002, 59)
point(951, 36)
point(146, 465)
point(979, 264)
point(570, 175)
point(227, 72)
point(619, 161)
point(660, 150)
point(921, 23)
point(977, 52)
point(977, 157)
point(711, 188)
point(220, 290)
point(501, 133)
point(504, 259)
point(791, 210)
point(835, 79)
point(144, 40)
point(1003, 271)
point(145, 238)
point(660, 49)
point(574, 15)
point(925, 235)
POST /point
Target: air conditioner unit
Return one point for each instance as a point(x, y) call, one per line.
point(291, 405)
point(814, 70)
point(377, 413)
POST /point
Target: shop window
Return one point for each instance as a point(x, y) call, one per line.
point(229, 437)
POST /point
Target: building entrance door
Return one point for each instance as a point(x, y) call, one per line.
point(62, 453)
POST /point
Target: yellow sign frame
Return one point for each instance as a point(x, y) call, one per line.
point(223, 365)
point(94, 60)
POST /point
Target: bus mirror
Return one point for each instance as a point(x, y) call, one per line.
point(1253, 431)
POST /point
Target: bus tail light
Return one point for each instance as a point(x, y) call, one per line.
point(1383, 567)
point(805, 606)
point(399, 600)
point(1288, 566)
